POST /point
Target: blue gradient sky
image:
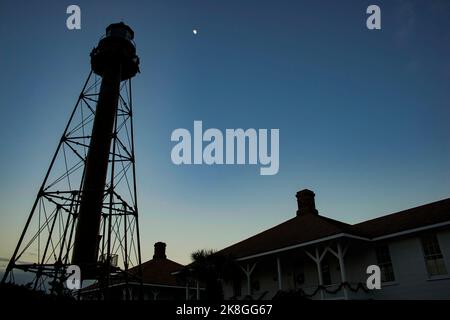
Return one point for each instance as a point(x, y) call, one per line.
point(363, 115)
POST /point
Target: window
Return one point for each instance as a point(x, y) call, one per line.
point(255, 285)
point(326, 275)
point(434, 260)
point(237, 288)
point(385, 263)
point(299, 273)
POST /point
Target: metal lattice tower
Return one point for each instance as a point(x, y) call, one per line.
point(85, 212)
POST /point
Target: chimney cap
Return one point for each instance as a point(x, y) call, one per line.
point(305, 192)
point(305, 202)
point(160, 250)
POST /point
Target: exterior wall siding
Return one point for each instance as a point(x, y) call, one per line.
point(411, 277)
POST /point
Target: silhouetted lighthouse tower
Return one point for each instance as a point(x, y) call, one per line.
point(85, 213)
point(114, 60)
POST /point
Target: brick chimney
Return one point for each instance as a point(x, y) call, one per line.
point(306, 203)
point(160, 251)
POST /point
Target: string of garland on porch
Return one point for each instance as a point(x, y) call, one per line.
point(301, 293)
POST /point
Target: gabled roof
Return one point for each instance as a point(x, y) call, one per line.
point(309, 227)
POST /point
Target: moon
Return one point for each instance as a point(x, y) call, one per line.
point(194, 31)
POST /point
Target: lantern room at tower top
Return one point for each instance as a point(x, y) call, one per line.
point(116, 48)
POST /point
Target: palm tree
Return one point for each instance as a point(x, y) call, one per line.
point(212, 268)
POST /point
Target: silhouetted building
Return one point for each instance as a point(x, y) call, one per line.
point(320, 258)
point(159, 280)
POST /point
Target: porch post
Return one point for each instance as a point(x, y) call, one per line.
point(340, 255)
point(342, 267)
point(187, 290)
point(317, 258)
point(280, 281)
point(319, 271)
point(198, 291)
point(248, 271)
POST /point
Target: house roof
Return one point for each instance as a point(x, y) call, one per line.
point(158, 271)
point(300, 229)
point(309, 227)
point(422, 216)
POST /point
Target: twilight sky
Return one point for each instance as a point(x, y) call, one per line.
point(364, 115)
